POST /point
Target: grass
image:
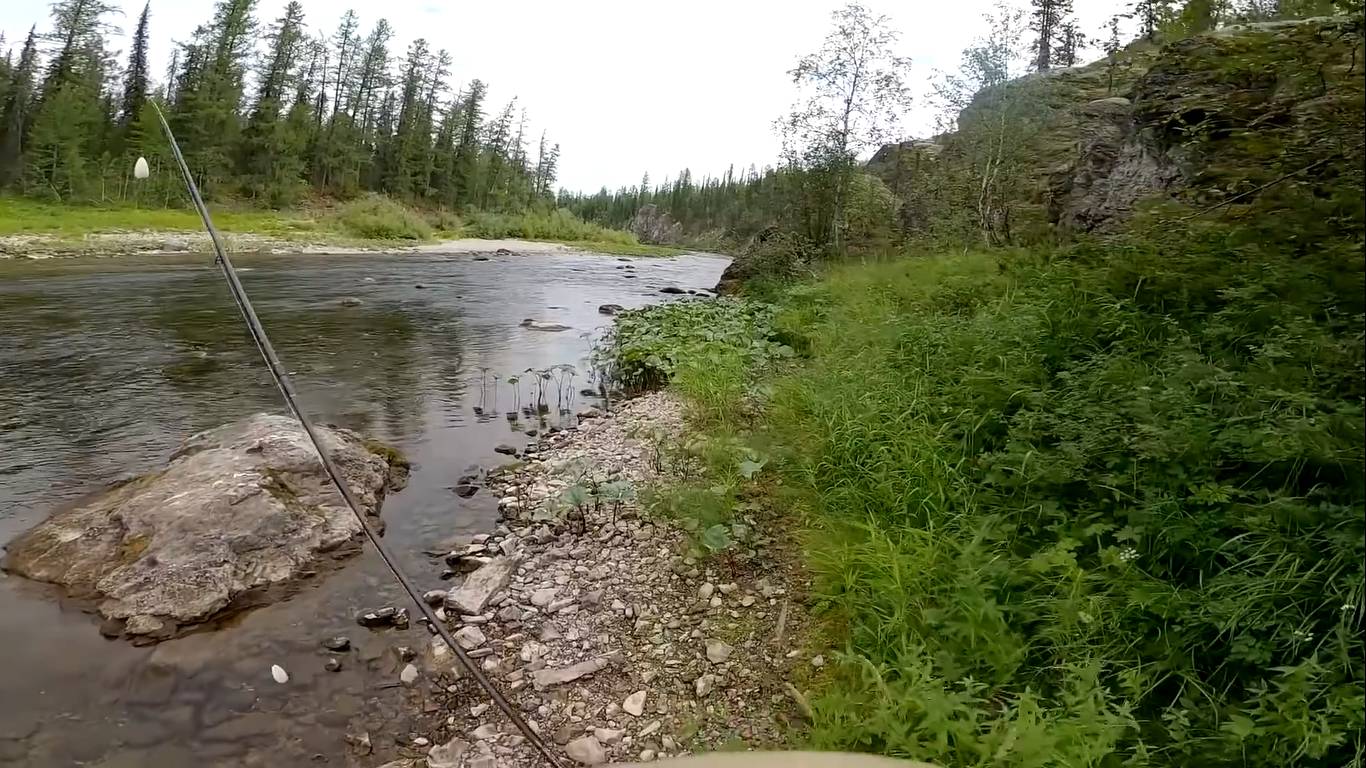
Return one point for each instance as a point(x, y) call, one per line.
point(368, 220)
point(1087, 507)
point(24, 216)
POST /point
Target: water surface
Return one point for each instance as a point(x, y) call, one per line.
point(105, 366)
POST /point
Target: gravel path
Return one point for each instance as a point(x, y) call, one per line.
point(614, 641)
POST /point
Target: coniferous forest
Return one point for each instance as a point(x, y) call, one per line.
point(267, 111)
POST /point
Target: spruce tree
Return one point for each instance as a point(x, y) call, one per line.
point(267, 169)
point(135, 76)
point(15, 117)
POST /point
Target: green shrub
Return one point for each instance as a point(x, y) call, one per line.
point(560, 225)
point(723, 337)
point(377, 217)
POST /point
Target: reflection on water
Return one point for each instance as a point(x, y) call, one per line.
point(104, 369)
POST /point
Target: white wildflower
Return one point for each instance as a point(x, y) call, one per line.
point(1129, 553)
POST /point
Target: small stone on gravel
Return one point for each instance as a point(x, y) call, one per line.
point(635, 703)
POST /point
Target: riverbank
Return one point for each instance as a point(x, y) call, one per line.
point(611, 628)
point(1007, 470)
point(37, 230)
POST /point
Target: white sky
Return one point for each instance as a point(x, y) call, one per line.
point(624, 86)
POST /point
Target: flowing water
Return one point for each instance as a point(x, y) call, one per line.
point(105, 366)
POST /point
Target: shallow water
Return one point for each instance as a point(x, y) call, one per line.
point(105, 366)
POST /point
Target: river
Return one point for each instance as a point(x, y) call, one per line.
point(106, 365)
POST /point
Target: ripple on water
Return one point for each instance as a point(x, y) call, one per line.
point(104, 370)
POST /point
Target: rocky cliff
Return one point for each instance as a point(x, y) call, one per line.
point(1206, 120)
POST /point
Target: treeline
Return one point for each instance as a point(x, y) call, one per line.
point(824, 197)
point(302, 113)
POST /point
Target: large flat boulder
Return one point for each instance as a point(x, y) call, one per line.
point(239, 512)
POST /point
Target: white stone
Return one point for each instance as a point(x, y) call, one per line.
point(278, 672)
point(718, 651)
point(586, 750)
point(607, 735)
point(447, 755)
point(705, 591)
point(704, 685)
point(543, 597)
point(470, 638)
point(485, 732)
point(409, 675)
point(635, 703)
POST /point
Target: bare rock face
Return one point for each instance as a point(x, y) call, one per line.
point(240, 511)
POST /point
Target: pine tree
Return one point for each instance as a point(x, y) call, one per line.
point(467, 149)
point(135, 76)
point(68, 131)
point(15, 117)
point(1152, 16)
point(209, 94)
point(1070, 42)
point(1048, 20)
point(77, 34)
point(408, 145)
point(268, 170)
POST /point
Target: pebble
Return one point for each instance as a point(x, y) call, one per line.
point(409, 675)
point(485, 732)
point(278, 672)
point(718, 651)
point(470, 638)
point(333, 664)
point(586, 750)
point(340, 643)
point(704, 685)
point(705, 591)
point(817, 661)
point(647, 755)
point(608, 735)
point(635, 703)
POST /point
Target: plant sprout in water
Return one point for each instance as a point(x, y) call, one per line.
point(516, 396)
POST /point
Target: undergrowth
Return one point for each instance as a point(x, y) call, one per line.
point(1095, 506)
point(375, 217)
point(558, 225)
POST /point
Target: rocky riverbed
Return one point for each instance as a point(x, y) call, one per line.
point(615, 639)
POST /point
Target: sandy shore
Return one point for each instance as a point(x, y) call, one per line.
point(616, 641)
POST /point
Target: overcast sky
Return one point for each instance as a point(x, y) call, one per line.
point(624, 87)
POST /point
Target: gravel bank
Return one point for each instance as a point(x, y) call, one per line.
point(616, 643)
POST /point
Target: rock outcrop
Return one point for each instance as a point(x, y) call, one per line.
point(1204, 120)
point(240, 512)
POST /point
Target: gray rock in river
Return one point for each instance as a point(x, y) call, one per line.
point(240, 512)
point(537, 325)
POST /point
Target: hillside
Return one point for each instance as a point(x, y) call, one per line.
point(1204, 120)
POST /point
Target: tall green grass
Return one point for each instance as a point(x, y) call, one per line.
point(1100, 506)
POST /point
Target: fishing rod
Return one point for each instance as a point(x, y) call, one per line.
point(286, 387)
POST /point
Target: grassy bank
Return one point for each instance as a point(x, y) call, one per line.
point(1094, 506)
point(372, 221)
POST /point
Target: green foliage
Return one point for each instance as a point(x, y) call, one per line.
point(1106, 503)
point(553, 225)
point(379, 218)
point(711, 343)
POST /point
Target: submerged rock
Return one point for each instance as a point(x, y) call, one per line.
point(610, 309)
point(240, 511)
point(537, 325)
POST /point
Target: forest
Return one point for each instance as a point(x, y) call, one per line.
point(302, 114)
